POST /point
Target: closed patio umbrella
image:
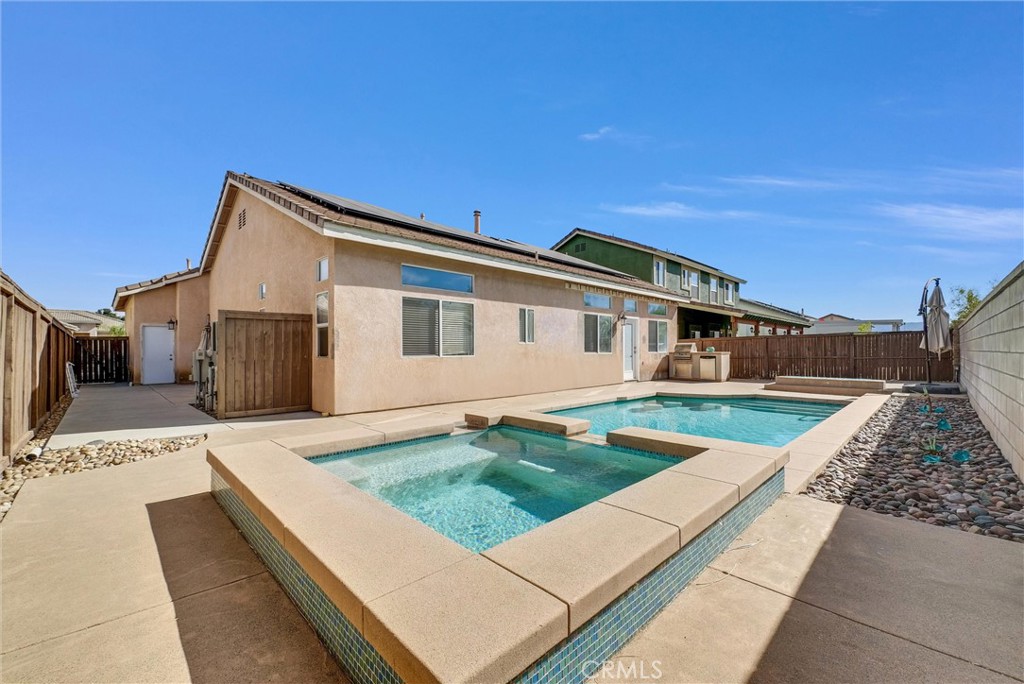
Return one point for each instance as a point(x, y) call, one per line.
point(936, 324)
point(939, 339)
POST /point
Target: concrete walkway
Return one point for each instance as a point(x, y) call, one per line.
point(818, 592)
point(133, 574)
point(111, 412)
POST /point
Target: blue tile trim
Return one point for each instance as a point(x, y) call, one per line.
point(570, 661)
point(359, 659)
point(607, 632)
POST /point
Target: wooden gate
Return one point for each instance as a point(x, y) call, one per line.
point(264, 363)
point(101, 359)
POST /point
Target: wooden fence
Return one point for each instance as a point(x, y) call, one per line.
point(35, 348)
point(264, 363)
point(101, 359)
point(893, 356)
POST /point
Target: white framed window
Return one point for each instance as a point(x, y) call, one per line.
point(597, 301)
point(657, 336)
point(730, 292)
point(659, 272)
point(629, 305)
point(597, 334)
point(714, 290)
point(322, 322)
point(322, 270)
point(432, 327)
point(435, 279)
point(657, 309)
point(261, 291)
point(694, 285)
point(526, 326)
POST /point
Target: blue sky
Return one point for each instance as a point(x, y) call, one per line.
point(834, 155)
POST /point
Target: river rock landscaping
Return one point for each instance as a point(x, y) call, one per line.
point(884, 469)
point(98, 454)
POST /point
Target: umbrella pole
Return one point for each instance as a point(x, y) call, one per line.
point(923, 313)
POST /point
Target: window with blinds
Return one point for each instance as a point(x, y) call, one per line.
point(526, 332)
point(597, 334)
point(456, 329)
point(657, 336)
point(436, 328)
point(419, 327)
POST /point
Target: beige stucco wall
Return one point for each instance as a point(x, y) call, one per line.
point(275, 249)
point(192, 305)
point(371, 373)
point(992, 365)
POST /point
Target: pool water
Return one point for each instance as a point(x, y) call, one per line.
point(771, 422)
point(484, 488)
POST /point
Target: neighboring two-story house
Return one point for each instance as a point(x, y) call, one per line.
point(712, 308)
point(710, 295)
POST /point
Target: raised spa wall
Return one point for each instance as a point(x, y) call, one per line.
point(396, 601)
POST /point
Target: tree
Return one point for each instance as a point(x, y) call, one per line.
point(965, 301)
point(117, 330)
point(864, 327)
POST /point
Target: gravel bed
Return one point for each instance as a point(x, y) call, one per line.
point(882, 469)
point(98, 454)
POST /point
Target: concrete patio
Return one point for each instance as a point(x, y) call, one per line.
point(133, 574)
point(112, 412)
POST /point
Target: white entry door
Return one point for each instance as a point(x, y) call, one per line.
point(629, 350)
point(157, 355)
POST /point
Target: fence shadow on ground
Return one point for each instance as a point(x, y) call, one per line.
point(886, 599)
point(234, 621)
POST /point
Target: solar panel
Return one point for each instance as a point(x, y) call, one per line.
point(349, 206)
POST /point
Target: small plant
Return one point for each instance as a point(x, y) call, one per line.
point(928, 399)
point(932, 446)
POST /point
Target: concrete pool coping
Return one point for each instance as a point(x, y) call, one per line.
point(426, 604)
point(808, 454)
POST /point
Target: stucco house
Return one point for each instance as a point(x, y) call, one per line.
point(837, 323)
point(712, 306)
point(88, 323)
point(400, 311)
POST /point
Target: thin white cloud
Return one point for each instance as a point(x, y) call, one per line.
point(695, 189)
point(974, 180)
point(929, 180)
point(614, 135)
point(952, 254)
point(959, 221)
point(678, 210)
point(787, 183)
point(602, 132)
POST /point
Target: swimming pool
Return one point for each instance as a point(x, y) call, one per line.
point(484, 488)
point(771, 422)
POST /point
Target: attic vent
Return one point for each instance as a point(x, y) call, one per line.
point(241, 219)
point(580, 247)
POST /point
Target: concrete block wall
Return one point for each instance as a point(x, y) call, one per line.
point(992, 365)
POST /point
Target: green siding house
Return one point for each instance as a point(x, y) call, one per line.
point(714, 294)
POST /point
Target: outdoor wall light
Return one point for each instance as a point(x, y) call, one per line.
point(172, 324)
